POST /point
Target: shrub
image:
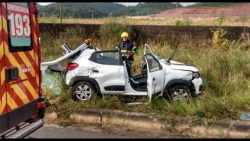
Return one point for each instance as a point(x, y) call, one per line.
point(185, 22)
point(110, 34)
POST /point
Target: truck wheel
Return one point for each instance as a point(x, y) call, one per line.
point(83, 91)
point(177, 93)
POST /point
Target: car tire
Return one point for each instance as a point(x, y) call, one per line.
point(83, 91)
point(178, 93)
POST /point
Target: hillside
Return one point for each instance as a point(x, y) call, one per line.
point(150, 8)
point(102, 9)
point(80, 10)
point(213, 4)
point(235, 10)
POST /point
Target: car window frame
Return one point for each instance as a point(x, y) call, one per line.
point(93, 57)
point(160, 66)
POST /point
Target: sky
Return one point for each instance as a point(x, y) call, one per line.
point(127, 3)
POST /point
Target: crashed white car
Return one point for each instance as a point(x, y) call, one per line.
point(92, 72)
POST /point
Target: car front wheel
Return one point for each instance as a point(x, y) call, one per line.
point(178, 93)
point(83, 91)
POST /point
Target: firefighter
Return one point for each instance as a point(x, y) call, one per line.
point(89, 41)
point(127, 49)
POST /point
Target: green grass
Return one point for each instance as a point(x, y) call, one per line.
point(227, 21)
point(225, 74)
point(51, 45)
point(110, 31)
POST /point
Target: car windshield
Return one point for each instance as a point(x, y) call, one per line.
point(165, 60)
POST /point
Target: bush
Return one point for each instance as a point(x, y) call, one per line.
point(185, 22)
point(51, 45)
point(110, 33)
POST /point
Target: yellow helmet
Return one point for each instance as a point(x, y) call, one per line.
point(124, 34)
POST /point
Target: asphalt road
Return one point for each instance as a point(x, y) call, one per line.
point(55, 131)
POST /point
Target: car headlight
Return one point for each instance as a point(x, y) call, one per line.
point(196, 75)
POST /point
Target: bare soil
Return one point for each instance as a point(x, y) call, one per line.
point(238, 10)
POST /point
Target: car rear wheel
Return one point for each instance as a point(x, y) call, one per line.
point(178, 93)
point(83, 91)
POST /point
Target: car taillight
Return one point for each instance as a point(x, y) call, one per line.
point(72, 66)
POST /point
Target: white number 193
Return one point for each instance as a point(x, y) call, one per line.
point(20, 25)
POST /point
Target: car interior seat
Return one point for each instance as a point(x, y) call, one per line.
point(139, 82)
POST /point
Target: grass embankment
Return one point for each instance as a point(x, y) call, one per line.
point(225, 74)
point(140, 20)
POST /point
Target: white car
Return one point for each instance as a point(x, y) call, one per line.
point(103, 72)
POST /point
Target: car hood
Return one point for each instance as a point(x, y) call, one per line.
point(180, 66)
point(183, 67)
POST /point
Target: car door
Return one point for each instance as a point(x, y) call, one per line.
point(107, 69)
point(155, 79)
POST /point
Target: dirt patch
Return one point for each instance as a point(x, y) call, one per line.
point(238, 10)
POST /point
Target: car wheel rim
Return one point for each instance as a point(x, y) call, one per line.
point(83, 92)
point(180, 94)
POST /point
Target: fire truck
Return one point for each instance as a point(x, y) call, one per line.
point(22, 105)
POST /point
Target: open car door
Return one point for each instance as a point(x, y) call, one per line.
point(155, 73)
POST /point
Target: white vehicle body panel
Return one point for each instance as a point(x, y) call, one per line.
point(197, 83)
point(155, 83)
point(107, 75)
point(184, 67)
point(68, 54)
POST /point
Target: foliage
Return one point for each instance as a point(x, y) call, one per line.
point(112, 30)
point(102, 9)
point(219, 39)
point(185, 22)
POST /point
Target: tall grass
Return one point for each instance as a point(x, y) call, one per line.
point(110, 34)
point(225, 78)
point(232, 21)
point(51, 44)
point(225, 74)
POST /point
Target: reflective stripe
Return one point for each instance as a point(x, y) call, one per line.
point(12, 104)
point(124, 51)
point(3, 103)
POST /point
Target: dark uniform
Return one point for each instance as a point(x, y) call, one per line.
point(126, 48)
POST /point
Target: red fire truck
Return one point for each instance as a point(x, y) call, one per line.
point(22, 105)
